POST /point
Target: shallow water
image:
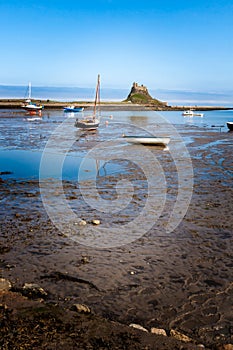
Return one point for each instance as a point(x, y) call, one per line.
point(22, 142)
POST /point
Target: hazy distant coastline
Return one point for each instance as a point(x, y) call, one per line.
point(107, 105)
point(79, 94)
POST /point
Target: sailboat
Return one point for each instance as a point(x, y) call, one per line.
point(191, 113)
point(28, 105)
point(91, 122)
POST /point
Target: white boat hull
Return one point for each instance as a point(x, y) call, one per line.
point(73, 109)
point(192, 114)
point(32, 108)
point(147, 140)
point(230, 126)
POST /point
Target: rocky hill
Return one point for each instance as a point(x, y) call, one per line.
point(139, 94)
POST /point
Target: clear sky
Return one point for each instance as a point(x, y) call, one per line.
point(163, 44)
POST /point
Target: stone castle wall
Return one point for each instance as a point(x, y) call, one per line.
point(139, 88)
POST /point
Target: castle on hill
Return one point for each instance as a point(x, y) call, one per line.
point(139, 89)
point(139, 94)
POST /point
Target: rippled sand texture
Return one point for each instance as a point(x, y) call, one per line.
point(181, 279)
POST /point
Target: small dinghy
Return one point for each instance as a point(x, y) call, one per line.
point(73, 109)
point(230, 126)
point(147, 140)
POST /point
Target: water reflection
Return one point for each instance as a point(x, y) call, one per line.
point(22, 141)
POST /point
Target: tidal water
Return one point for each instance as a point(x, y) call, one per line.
point(23, 143)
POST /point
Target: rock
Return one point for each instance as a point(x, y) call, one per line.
point(180, 336)
point(33, 289)
point(5, 285)
point(137, 326)
point(82, 223)
point(225, 347)
point(84, 260)
point(72, 197)
point(81, 308)
point(158, 331)
point(96, 222)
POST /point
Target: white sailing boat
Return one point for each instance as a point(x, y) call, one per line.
point(28, 105)
point(147, 140)
point(91, 122)
point(191, 113)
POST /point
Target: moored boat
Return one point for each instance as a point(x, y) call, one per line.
point(230, 126)
point(29, 105)
point(191, 113)
point(87, 123)
point(72, 109)
point(91, 122)
point(147, 140)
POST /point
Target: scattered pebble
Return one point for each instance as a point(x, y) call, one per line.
point(84, 260)
point(158, 331)
point(35, 289)
point(5, 285)
point(180, 336)
point(225, 347)
point(82, 223)
point(81, 308)
point(137, 326)
point(96, 222)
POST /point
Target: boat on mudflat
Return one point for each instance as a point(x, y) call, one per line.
point(147, 140)
point(91, 122)
point(29, 105)
point(32, 107)
point(87, 123)
point(230, 126)
point(72, 109)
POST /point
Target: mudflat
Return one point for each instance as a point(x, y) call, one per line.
point(181, 280)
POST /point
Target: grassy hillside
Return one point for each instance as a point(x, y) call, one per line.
point(141, 98)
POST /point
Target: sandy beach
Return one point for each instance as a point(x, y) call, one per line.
point(178, 281)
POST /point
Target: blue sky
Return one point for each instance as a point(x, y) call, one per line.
point(165, 44)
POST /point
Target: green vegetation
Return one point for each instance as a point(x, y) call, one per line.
point(141, 98)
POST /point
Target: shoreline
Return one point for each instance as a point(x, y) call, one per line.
point(109, 105)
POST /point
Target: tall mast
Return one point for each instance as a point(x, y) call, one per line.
point(97, 95)
point(29, 90)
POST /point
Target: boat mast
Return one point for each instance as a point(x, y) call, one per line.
point(97, 96)
point(29, 90)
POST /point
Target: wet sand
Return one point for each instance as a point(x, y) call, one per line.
point(181, 280)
